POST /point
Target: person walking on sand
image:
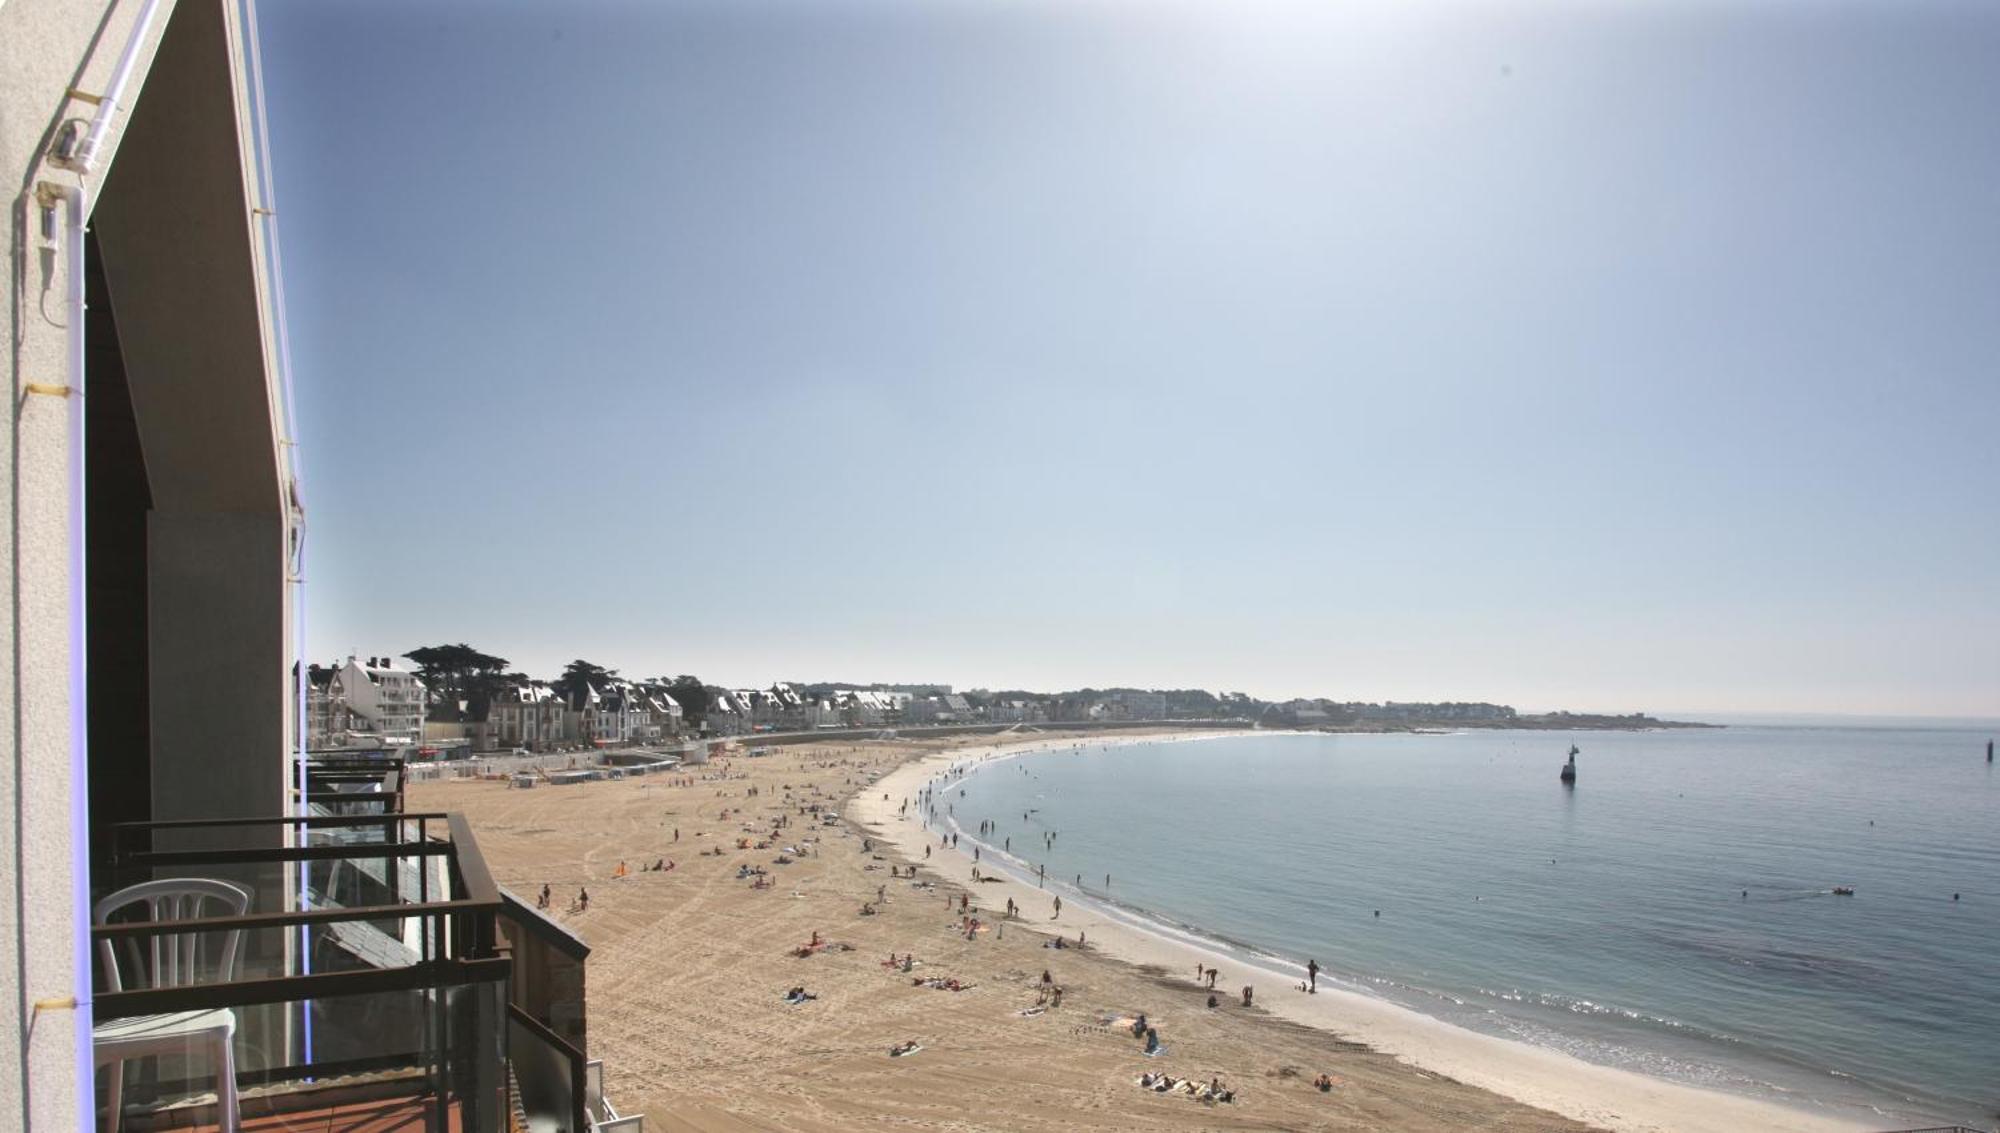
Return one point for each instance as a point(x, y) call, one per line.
point(1248, 991)
point(1312, 977)
point(1058, 912)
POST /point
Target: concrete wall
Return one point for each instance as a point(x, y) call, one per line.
point(180, 258)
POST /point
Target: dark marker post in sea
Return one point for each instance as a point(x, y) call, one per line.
point(1569, 769)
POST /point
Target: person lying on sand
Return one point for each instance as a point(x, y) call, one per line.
point(799, 995)
point(1323, 1084)
point(901, 1049)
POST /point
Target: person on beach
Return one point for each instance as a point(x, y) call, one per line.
point(1212, 973)
point(582, 899)
point(1248, 991)
point(1058, 912)
point(1212, 1001)
point(1312, 975)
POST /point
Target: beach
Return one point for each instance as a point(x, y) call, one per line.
point(690, 968)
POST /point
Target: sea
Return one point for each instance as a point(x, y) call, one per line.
point(1673, 913)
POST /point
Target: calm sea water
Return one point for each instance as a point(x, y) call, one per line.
point(1609, 921)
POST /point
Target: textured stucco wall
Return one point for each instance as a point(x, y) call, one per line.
point(47, 48)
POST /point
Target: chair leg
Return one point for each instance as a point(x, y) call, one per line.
point(225, 1084)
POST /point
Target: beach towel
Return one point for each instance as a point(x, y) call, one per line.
point(1156, 1051)
point(901, 1053)
point(1031, 1012)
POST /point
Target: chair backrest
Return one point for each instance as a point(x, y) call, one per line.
point(169, 959)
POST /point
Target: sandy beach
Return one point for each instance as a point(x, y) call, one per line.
point(690, 969)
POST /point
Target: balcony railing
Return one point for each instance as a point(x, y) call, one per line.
point(369, 965)
point(344, 783)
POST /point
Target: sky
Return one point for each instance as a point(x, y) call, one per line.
point(1568, 355)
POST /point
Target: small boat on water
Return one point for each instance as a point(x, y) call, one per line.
point(1843, 891)
point(1569, 769)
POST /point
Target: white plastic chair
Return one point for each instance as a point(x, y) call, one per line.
point(170, 960)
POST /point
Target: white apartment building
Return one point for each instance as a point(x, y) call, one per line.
point(385, 704)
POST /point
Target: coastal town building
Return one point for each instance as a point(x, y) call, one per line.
point(363, 704)
point(727, 715)
point(1015, 712)
point(1133, 705)
point(655, 714)
point(326, 712)
point(788, 708)
point(529, 716)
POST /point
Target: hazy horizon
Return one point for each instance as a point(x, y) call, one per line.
point(1606, 358)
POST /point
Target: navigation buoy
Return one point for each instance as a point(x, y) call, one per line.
point(1569, 769)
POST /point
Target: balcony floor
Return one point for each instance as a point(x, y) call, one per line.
point(384, 1115)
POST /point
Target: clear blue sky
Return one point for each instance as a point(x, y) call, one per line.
point(1597, 356)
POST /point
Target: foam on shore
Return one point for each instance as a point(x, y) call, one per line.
point(1600, 1095)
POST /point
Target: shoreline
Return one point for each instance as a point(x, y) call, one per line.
point(1620, 1100)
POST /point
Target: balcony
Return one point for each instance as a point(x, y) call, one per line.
point(380, 980)
point(345, 783)
point(369, 977)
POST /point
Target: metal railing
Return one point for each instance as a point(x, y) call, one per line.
point(380, 951)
